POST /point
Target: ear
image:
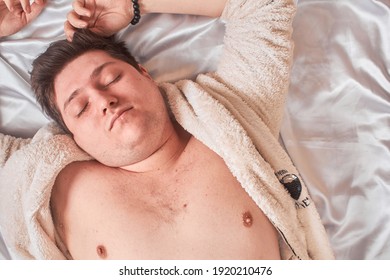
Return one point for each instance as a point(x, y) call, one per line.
point(144, 72)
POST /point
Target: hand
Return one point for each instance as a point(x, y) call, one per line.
point(15, 14)
point(104, 17)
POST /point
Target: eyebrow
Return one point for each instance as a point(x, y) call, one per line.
point(95, 73)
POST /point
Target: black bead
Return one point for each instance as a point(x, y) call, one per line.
point(136, 12)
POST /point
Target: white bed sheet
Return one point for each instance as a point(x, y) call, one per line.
point(337, 120)
point(337, 125)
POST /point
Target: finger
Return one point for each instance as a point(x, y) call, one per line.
point(40, 2)
point(9, 5)
point(69, 31)
point(36, 9)
point(80, 9)
point(26, 6)
point(76, 21)
point(13, 7)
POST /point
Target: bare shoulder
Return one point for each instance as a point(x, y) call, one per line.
point(77, 170)
point(72, 181)
point(78, 193)
point(77, 180)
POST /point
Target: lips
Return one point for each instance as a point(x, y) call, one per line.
point(117, 115)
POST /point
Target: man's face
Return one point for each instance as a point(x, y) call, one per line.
point(116, 114)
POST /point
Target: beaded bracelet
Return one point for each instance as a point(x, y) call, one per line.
point(137, 13)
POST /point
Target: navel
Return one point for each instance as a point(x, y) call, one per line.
point(247, 219)
point(101, 251)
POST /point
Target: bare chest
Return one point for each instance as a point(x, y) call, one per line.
point(197, 211)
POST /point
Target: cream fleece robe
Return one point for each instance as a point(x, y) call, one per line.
point(236, 111)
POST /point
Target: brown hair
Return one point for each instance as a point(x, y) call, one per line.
point(49, 64)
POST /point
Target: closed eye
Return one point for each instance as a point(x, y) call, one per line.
point(83, 110)
point(116, 79)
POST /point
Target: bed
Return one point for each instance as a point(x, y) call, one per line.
point(336, 126)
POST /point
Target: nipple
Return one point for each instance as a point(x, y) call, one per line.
point(101, 251)
point(247, 219)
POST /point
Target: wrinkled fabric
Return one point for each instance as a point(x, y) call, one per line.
point(20, 114)
point(337, 122)
point(336, 126)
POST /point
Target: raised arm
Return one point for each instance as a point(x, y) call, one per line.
point(106, 17)
point(257, 56)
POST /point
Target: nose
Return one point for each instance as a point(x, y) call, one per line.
point(108, 103)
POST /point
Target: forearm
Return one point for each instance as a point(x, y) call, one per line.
point(257, 56)
point(208, 8)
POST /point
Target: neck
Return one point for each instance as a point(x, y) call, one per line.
point(166, 156)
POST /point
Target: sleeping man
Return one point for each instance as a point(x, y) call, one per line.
point(191, 170)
